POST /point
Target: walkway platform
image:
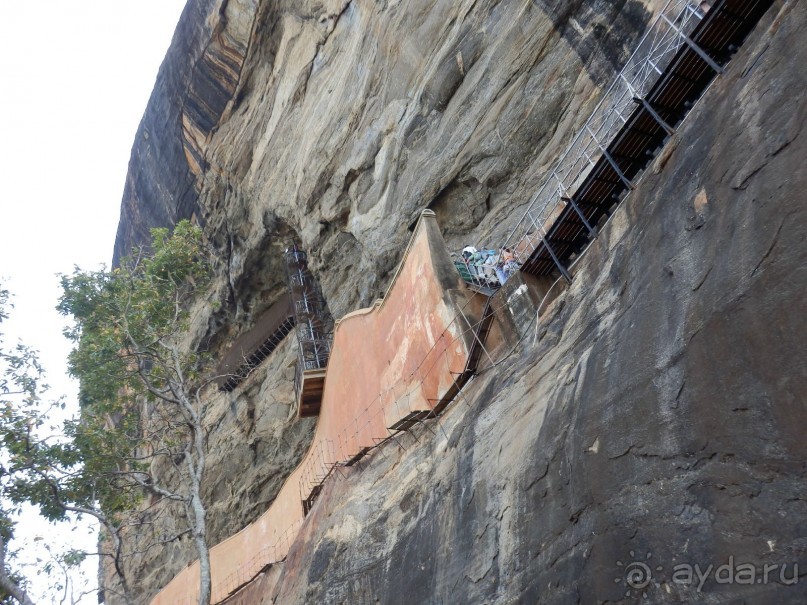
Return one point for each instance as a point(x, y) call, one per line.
point(309, 392)
point(313, 337)
point(250, 349)
point(696, 58)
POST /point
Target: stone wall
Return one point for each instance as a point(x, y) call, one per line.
point(398, 356)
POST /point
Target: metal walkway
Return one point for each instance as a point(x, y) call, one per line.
point(676, 60)
point(313, 337)
point(252, 361)
point(250, 349)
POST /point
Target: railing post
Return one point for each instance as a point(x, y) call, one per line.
point(643, 102)
point(637, 98)
point(591, 231)
point(570, 200)
point(560, 267)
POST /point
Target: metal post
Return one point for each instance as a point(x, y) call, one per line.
point(562, 190)
point(554, 256)
point(637, 98)
point(619, 115)
point(561, 268)
point(643, 102)
point(611, 161)
point(654, 66)
point(701, 53)
point(591, 231)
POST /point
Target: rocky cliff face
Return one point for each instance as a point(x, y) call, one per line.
point(349, 117)
point(194, 87)
point(335, 123)
point(657, 412)
point(655, 416)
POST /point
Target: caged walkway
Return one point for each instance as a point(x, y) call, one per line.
point(685, 48)
point(313, 337)
point(249, 350)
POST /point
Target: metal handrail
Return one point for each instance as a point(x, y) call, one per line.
point(314, 341)
point(657, 47)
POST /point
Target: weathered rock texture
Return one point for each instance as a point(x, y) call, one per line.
point(335, 123)
point(658, 418)
point(659, 412)
point(190, 97)
point(349, 117)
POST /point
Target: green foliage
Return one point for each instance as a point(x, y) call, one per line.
point(127, 329)
point(22, 415)
point(126, 324)
point(123, 317)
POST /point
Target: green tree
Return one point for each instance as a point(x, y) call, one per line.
point(38, 464)
point(20, 376)
point(141, 383)
point(20, 417)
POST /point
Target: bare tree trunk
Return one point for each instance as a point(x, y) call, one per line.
point(118, 562)
point(200, 539)
point(15, 591)
point(196, 471)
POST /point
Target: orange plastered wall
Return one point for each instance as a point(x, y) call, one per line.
point(394, 358)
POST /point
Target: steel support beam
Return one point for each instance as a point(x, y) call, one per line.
point(618, 170)
point(700, 52)
point(611, 161)
point(556, 260)
point(549, 249)
point(579, 212)
point(649, 109)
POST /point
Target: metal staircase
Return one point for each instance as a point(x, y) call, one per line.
point(312, 332)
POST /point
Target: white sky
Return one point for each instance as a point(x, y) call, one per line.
point(75, 77)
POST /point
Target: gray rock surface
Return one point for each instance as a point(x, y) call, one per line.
point(658, 419)
point(194, 87)
point(660, 411)
point(335, 123)
point(349, 117)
